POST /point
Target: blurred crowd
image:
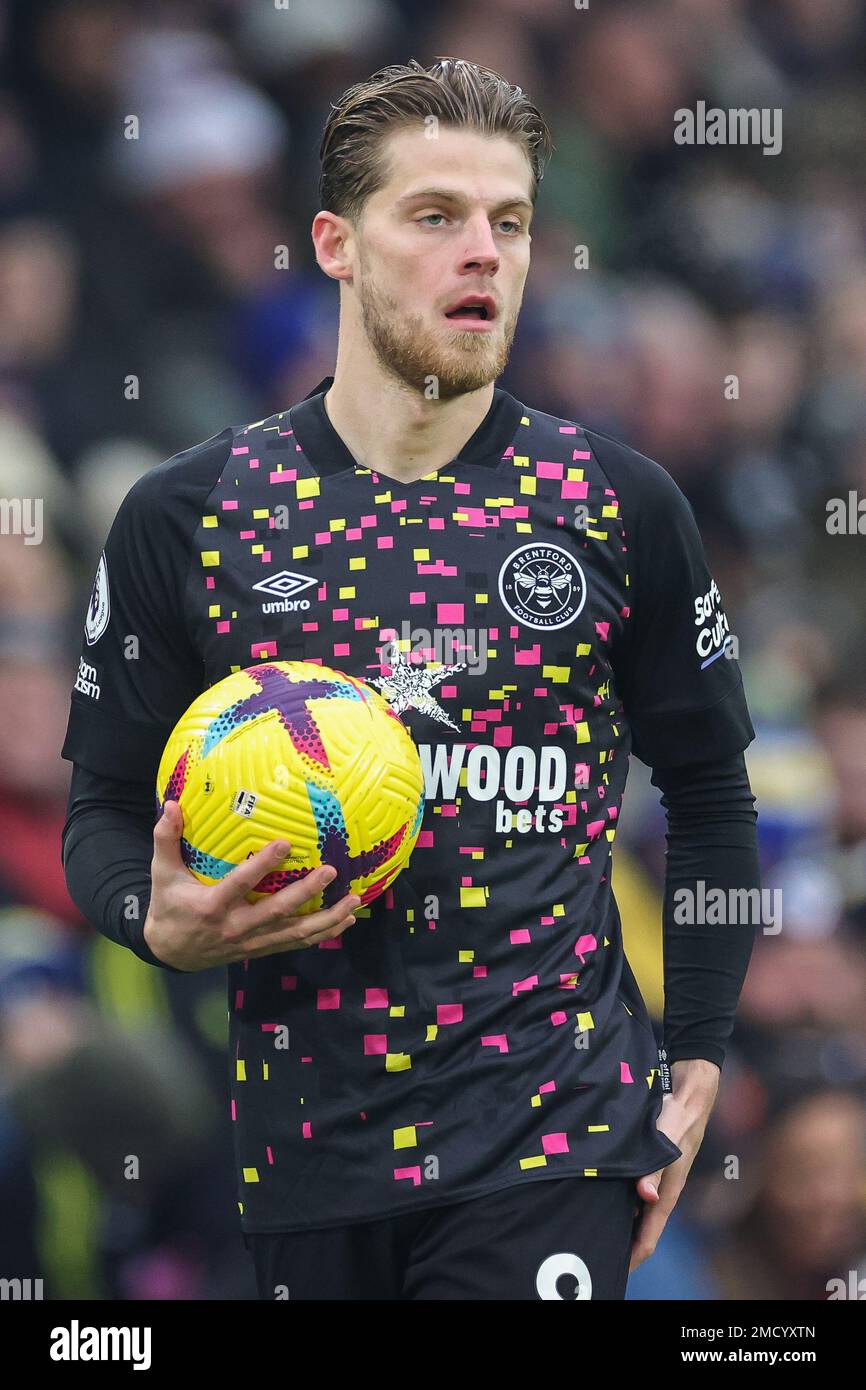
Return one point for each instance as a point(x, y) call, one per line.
point(719, 327)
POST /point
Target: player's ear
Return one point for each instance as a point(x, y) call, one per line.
point(332, 236)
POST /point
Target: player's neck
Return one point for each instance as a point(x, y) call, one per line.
point(401, 434)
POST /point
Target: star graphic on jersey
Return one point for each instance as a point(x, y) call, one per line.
point(409, 686)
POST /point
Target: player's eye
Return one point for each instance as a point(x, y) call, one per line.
point(511, 222)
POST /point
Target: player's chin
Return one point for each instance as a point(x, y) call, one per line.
point(466, 346)
point(462, 375)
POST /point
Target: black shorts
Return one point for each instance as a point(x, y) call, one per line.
point(563, 1238)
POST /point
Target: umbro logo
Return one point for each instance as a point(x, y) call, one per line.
point(286, 584)
point(285, 587)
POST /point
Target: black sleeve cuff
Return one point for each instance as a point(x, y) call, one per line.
point(677, 738)
point(114, 747)
point(701, 1051)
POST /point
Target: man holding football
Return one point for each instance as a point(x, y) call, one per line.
point(472, 1103)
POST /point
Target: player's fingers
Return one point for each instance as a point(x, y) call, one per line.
point(270, 916)
point(275, 908)
point(649, 1229)
point(242, 880)
point(288, 939)
point(660, 1192)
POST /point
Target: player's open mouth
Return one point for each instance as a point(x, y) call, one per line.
point(473, 313)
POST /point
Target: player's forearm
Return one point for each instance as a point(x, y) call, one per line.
point(107, 853)
point(712, 845)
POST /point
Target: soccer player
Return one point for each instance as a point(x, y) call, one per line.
point(472, 1103)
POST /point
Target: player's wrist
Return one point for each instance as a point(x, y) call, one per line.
point(695, 1080)
point(147, 933)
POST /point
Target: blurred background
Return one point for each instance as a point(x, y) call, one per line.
point(141, 312)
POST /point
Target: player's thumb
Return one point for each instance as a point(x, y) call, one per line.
point(166, 837)
point(648, 1186)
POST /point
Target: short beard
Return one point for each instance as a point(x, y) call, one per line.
point(410, 353)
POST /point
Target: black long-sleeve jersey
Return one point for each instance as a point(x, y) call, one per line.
point(479, 1026)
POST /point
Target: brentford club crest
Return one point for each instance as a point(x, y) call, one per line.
point(542, 586)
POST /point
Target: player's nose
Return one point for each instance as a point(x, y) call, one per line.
point(480, 244)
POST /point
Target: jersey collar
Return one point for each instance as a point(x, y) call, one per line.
point(325, 450)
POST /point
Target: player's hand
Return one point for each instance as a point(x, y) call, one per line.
point(193, 925)
point(684, 1116)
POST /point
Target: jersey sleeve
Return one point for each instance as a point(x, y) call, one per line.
point(139, 669)
point(680, 685)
